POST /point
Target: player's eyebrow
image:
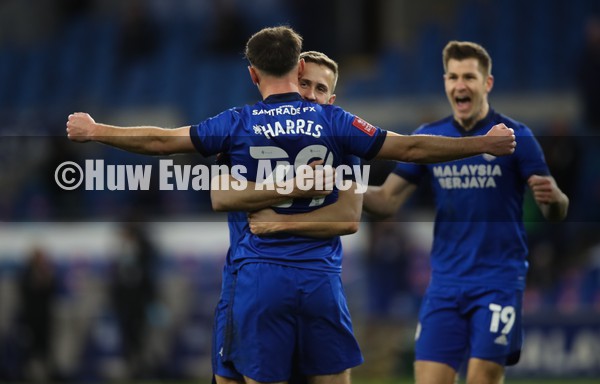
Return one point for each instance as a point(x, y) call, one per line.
point(323, 85)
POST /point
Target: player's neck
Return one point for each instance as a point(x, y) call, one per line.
point(276, 86)
point(470, 124)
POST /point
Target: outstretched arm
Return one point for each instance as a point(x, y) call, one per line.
point(553, 203)
point(499, 141)
point(319, 223)
point(81, 127)
point(383, 201)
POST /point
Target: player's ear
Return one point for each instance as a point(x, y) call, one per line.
point(253, 75)
point(300, 67)
point(331, 99)
point(489, 83)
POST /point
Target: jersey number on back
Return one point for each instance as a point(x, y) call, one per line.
point(304, 157)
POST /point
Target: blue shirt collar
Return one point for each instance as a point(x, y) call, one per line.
point(483, 123)
point(282, 98)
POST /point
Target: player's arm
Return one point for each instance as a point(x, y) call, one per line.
point(255, 196)
point(553, 203)
point(499, 141)
point(251, 198)
point(385, 200)
point(346, 210)
point(81, 127)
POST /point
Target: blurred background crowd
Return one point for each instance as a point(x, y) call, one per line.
point(85, 294)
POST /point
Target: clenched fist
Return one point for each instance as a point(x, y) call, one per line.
point(544, 189)
point(501, 141)
point(80, 127)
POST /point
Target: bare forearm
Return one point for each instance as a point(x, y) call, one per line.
point(254, 196)
point(144, 139)
point(376, 205)
point(337, 219)
point(556, 211)
point(383, 201)
point(248, 199)
point(499, 141)
point(81, 127)
point(319, 229)
point(434, 149)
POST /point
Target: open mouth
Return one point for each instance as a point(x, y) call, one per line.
point(463, 102)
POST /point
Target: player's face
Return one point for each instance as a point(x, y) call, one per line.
point(467, 89)
point(316, 83)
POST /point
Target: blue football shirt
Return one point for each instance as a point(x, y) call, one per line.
point(479, 236)
point(285, 130)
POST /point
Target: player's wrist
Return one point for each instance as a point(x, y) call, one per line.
point(484, 144)
point(285, 223)
point(297, 192)
point(276, 227)
point(97, 131)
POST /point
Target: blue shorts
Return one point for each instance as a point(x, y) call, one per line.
point(281, 319)
point(219, 336)
point(221, 367)
point(460, 322)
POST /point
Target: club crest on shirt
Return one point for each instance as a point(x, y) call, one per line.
point(364, 126)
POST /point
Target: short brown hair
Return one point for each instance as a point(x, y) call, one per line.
point(461, 50)
point(274, 50)
point(322, 59)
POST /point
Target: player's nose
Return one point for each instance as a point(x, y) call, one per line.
point(310, 95)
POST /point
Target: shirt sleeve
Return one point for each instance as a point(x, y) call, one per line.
point(213, 135)
point(360, 137)
point(529, 154)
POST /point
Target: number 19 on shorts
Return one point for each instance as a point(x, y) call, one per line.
point(502, 317)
